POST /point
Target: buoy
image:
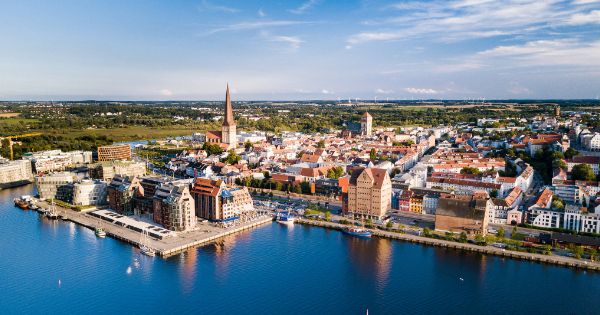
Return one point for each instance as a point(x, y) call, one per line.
point(129, 270)
point(59, 283)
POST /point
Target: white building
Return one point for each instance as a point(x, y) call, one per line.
point(14, 173)
point(56, 160)
point(577, 220)
point(48, 185)
point(89, 192)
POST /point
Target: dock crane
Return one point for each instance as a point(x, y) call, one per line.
point(10, 140)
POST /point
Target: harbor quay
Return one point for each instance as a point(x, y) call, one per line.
point(490, 250)
point(172, 244)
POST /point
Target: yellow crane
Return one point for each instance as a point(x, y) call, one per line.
point(10, 140)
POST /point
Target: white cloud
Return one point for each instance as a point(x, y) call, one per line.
point(324, 91)
point(373, 36)
point(568, 52)
point(261, 13)
point(207, 6)
point(459, 20)
point(413, 90)
point(585, 1)
point(382, 91)
point(304, 7)
point(166, 92)
point(592, 17)
point(293, 41)
point(244, 26)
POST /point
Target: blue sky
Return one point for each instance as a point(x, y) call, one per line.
point(304, 49)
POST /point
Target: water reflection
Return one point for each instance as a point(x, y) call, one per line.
point(187, 270)
point(372, 257)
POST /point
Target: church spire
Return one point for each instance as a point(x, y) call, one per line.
point(228, 121)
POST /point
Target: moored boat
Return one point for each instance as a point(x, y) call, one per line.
point(358, 232)
point(23, 202)
point(100, 232)
point(285, 218)
point(144, 245)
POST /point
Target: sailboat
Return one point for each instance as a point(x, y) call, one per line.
point(358, 231)
point(144, 245)
point(52, 213)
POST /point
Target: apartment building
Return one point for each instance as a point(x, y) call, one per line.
point(114, 152)
point(369, 193)
point(15, 173)
point(174, 207)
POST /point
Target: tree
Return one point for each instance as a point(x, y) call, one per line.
point(577, 251)
point(463, 237)
point(583, 172)
point(373, 154)
point(449, 236)
point(211, 148)
point(328, 216)
point(305, 187)
point(426, 231)
point(248, 145)
point(500, 232)
point(570, 153)
point(480, 240)
point(558, 204)
point(232, 157)
point(321, 144)
point(514, 232)
point(389, 224)
point(470, 170)
point(494, 193)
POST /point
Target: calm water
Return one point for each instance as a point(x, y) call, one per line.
point(59, 267)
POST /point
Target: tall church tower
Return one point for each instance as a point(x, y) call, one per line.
point(366, 124)
point(228, 132)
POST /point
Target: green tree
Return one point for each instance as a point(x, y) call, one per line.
point(480, 240)
point(248, 145)
point(321, 144)
point(328, 216)
point(426, 231)
point(558, 204)
point(373, 154)
point(463, 237)
point(389, 224)
point(577, 251)
point(583, 172)
point(500, 232)
point(494, 193)
point(232, 158)
point(470, 170)
point(514, 232)
point(570, 153)
point(211, 148)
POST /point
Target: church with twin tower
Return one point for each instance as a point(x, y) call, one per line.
point(227, 136)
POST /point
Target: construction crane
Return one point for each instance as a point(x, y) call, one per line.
point(10, 140)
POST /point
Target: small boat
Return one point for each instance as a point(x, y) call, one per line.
point(100, 232)
point(358, 232)
point(144, 245)
point(52, 213)
point(285, 218)
point(22, 202)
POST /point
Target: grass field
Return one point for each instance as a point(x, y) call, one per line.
point(131, 133)
point(16, 121)
point(9, 115)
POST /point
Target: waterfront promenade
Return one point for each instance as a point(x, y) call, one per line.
point(550, 259)
point(204, 233)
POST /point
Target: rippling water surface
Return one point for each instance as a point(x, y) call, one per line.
point(59, 267)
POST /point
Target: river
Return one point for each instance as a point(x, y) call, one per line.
point(60, 268)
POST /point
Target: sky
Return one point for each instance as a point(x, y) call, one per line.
point(299, 50)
